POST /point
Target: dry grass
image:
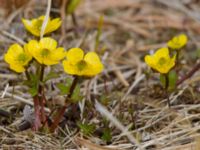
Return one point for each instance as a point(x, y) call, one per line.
point(138, 117)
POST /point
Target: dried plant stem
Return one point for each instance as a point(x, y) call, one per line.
point(61, 111)
point(189, 74)
point(74, 20)
point(45, 19)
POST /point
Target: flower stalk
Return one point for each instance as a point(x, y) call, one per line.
point(61, 112)
point(166, 88)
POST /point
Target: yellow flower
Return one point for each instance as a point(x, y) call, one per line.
point(17, 57)
point(177, 42)
point(161, 60)
point(45, 51)
point(82, 65)
point(34, 26)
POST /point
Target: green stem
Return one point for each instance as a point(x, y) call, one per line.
point(72, 88)
point(41, 77)
point(166, 88)
point(61, 111)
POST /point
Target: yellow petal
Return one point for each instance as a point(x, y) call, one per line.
point(74, 55)
point(58, 54)
point(33, 47)
point(9, 59)
point(69, 68)
point(53, 25)
point(150, 61)
point(48, 61)
point(17, 68)
point(32, 26)
point(93, 61)
point(13, 51)
point(39, 58)
point(48, 43)
point(162, 52)
point(26, 51)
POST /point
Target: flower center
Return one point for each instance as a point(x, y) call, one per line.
point(81, 65)
point(162, 61)
point(22, 58)
point(38, 25)
point(44, 52)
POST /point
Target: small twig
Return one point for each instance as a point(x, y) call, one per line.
point(120, 75)
point(13, 37)
point(45, 22)
point(5, 90)
point(21, 99)
point(63, 14)
point(189, 74)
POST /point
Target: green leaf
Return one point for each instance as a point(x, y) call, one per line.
point(63, 88)
point(72, 5)
point(76, 96)
point(32, 84)
point(104, 99)
point(50, 75)
point(172, 80)
point(197, 53)
point(33, 91)
point(87, 129)
point(68, 81)
point(106, 135)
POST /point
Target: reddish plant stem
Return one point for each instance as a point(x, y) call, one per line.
point(61, 111)
point(189, 74)
point(37, 122)
point(42, 102)
point(57, 118)
point(41, 95)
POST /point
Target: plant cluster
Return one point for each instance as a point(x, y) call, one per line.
point(166, 61)
point(33, 57)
